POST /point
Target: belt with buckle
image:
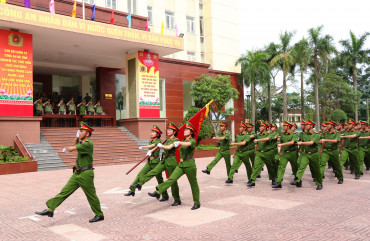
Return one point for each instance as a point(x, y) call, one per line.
point(164, 156)
point(331, 149)
point(80, 170)
point(311, 152)
point(241, 151)
point(186, 158)
point(354, 148)
point(151, 158)
point(224, 149)
point(266, 150)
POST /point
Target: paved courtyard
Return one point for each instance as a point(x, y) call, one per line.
point(228, 212)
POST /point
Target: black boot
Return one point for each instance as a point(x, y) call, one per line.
point(195, 207)
point(357, 177)
point(176, 203)
point(352, 172)
point(258, 176)
point(163, 199)
point(299, 184)
point(46, 212)
point(206, 171)
point(294, 182)
point(273, 182)
point(278, 185)
point(319, 187)
point(367, 168)
point(236, 171)
point(96, 219)
point(340, 181)
point(251, 184)
point(154, 194)
point(130, 193)
point(136, 186)
point(229, 181)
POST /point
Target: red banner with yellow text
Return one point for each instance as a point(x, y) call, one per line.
point(16, 74)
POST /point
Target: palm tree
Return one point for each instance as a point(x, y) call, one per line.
point(254, 70)
point(273, 50)
point(302, 56)
point(285, 58)
point(353, 54)
point(321, 47)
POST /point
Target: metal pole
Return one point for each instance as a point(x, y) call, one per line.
point(83, 9)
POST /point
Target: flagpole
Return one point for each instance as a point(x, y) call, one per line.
point(83, 9)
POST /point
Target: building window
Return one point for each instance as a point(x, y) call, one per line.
point(150, 15)
point(190, 24)
point(201, 26)
point(187, 98)
point(191, 56)
point(111, 4)
point(89, 1)
point(131, 6)
point(170, 20)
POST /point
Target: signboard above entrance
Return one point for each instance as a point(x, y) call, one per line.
point(16, 77)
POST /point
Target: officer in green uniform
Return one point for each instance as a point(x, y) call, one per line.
point(224, 152)
point(38, 107)
point(244, 151)
point(274, 131)
point(82, 108)
point(310, 143)
point(61, 111)
point(186, 166)
point(168, 163)
point(83, 176)
point(350, 148)
point(330, 151)
point(364, 146)
point(265, 154)
point(48, 110)
point(71, 110)
point(339, 127)
point(98, 111)
point(90, 111)
point(152, 162)
point(288, 153)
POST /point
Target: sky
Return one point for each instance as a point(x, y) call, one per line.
point(261, 21)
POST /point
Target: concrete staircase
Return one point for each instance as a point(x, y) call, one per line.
point(47, 158)
point(112, 145)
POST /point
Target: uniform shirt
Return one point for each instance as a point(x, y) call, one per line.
point(364, 142)
point(99, 109)
point(171, 151)
point(38, 106)
point(351, 143)
point(274, 136)
point(265, 145)
point(331, 136)
point(85, 151)
point(225, 144)
point(82, 110)
point(250, 144)
point(155, 142)
point(71, 107)
point(311, 137)
point(62, 107)
point(90, 108)
point(284, 138)
point(48, 108)
point(188, 151)
point(240, 138)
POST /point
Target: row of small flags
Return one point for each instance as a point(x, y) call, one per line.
point(27, 4)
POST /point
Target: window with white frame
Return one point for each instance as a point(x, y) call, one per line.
point(170, 20)
point(111, 4)
point(131, 6)
point(89, 1)
point(191, 56)
point(190, 24)
point(150, 14)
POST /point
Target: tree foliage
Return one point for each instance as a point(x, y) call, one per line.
point(338, 116)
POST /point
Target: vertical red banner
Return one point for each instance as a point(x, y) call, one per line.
point(149, 104)
point(16, 74)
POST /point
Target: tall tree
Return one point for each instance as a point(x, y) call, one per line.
point(302, 56)
point(354, 53)
point(254, 70)
point(320, 49)
point(273, 50)
point(286, 59)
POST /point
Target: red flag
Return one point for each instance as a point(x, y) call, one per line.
point(197, 122)
point(147, 24)
point(112, 18)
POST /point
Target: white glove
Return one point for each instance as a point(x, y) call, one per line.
point(176, 143)
point(149, 153)
point(78, 133)
point(65, 150)
point(159, 145)
point(140, 147)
